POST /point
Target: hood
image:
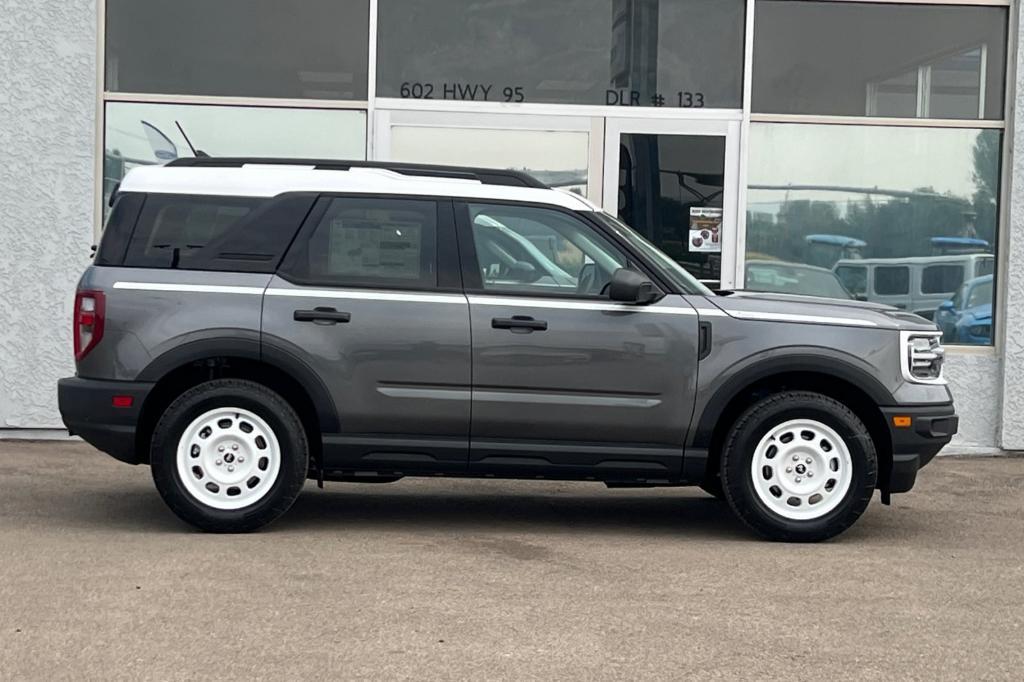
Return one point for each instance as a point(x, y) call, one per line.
point(813, 310)
point(980, 313)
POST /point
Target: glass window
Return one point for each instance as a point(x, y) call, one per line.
point(854, 279)
point(981, 294)
point(898, 208)
point(557, 158)
point(316, 49)
point(139, 134)
point(892, 280)
point(173, 228)
point(672, 53)
point(941, 279)
point(875, 59)
point(670, 191)
point(371, 242)
point(537, 250)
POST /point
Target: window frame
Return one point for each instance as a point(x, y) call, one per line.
point(446, 259)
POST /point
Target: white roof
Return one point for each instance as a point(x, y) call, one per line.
point(256, 180)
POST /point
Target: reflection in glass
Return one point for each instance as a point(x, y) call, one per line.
point(608, 52)
point(315, 49)
point(875, 59)
point(670, 191)
point(556, 158)
point(140, 134)
point(902, 216)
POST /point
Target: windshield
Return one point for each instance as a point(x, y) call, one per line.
point(686, 282)
point(793, 278)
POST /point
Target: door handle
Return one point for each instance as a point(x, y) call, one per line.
point(321, 316)
point(519, 322)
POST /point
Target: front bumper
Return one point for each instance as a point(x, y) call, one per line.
point(87, 408)
point(931, 428)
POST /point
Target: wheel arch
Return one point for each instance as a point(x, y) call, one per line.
point(192, 363)
point(826, 374)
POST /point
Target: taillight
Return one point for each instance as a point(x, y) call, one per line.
point(90, 309)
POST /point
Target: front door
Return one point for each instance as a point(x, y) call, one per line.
point(369, 298)
point(675, 182)
point(565, 381)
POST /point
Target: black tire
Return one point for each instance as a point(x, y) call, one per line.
point(739, 450)
point(264, 403)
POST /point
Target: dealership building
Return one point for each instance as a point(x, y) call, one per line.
point(860, 150)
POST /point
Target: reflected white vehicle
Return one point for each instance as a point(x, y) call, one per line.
point(793, 278)
point(919, 284)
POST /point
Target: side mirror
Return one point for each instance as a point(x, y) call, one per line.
point(629, 286)
point(860, 297)
point(946, 305)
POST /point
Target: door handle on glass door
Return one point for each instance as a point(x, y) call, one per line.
point(321, 316)
point(519, 323)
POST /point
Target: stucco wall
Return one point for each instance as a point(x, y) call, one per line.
point(47, 130)
point(1012, 427)
point(975, 382)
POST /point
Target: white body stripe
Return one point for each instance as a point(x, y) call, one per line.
point(516, 302)
point(807, 319)
point(189, 288)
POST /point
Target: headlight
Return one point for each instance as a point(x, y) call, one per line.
point(984, 330)
point(921, 357)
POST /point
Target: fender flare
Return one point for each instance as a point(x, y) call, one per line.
point(250, 347)
point(758, 367)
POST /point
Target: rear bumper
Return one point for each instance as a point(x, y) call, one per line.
point(87, 408)
point(931, 428)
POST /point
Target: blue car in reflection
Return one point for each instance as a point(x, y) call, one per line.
point(967, 317)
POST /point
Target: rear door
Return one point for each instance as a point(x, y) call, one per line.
point(565, 381)
point(369, 297)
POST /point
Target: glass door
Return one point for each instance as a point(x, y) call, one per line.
point(676, 182)
point(560, 151)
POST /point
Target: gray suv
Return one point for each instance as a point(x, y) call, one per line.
point(248, 324)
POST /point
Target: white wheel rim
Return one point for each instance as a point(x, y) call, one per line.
point(801, 469)
point(228, 458)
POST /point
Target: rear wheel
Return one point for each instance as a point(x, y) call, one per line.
point(229, 455)
point(798, 466)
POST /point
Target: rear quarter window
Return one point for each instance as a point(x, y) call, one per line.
point(224, 233)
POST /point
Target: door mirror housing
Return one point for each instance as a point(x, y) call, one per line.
point(629, 286)
point(946, 305)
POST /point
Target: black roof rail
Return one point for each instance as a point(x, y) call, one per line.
point(487, 176)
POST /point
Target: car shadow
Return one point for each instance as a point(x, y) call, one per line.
point(380, 507)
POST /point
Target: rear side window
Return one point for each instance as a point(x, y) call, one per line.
point(374, 242)
point(941, 279)
point(235, 234)
point(892, 281)
point(173, 229)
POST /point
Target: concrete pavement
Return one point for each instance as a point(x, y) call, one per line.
point(462, 579)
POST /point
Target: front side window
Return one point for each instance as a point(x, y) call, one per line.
point(387, 243)
point(522, 249)
point(854, 279)
point(981, 294)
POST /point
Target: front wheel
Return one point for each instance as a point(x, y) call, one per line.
point(229, 456)
point(798, 466)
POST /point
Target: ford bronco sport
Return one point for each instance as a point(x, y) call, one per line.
point(248, 324)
